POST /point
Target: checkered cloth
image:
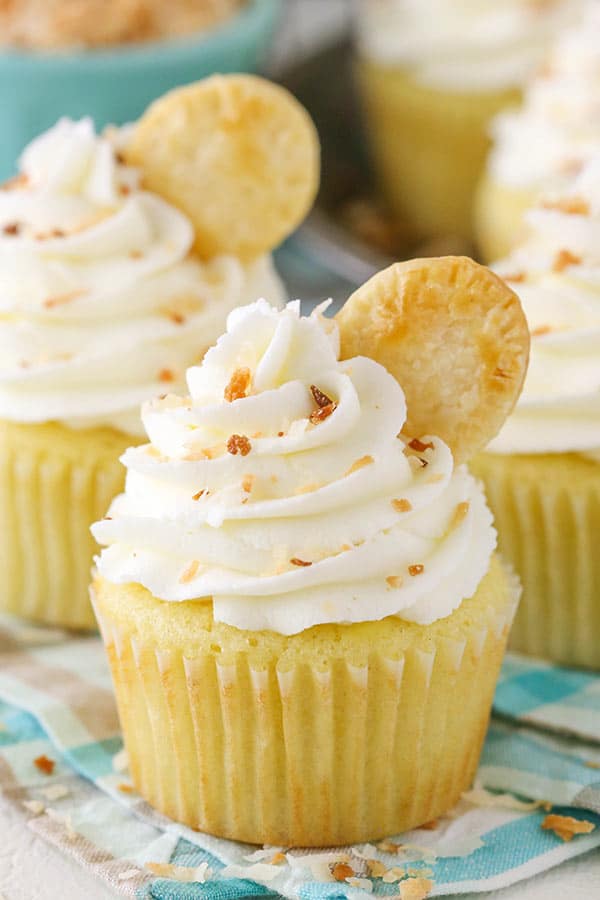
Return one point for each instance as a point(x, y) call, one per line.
point(57, 706)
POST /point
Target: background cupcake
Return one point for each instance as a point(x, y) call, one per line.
point(105, 302)
point(542, 472)
point(72, 57)
point(301, 606)
point(543, 145)
point(432, 74)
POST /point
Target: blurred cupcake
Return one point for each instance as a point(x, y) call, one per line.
point(67, 24)
point(72, 57)
point(301, 606)
point(104, 305)
point(432, 74)
point(542, 472)
point(543, 145)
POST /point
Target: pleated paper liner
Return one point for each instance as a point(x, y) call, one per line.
point(547, 511)
point(429, 146)
point(336, 735)
point(54, 482)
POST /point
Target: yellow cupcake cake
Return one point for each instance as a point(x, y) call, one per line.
point(433, 73)
point(299, 596)
point(543, 145)
point(542, 472)
point(111, 288)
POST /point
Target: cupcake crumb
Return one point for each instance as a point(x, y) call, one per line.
point(417, 569)
point(238, 385)
point(564, 259)
point(402, 505)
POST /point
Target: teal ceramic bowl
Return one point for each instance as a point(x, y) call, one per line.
point(116, 85)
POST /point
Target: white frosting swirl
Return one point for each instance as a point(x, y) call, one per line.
point(333, 521)
point(101, 303)
point(558, 281)
point(472, 45)
point(558, 127)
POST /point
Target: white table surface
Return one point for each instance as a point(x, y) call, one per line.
point(30, 869)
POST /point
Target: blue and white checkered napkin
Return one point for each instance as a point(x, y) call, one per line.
point(57, 705)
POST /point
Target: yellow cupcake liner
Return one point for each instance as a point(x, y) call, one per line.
point(547, 512)
point(499, 217)
point(54, 482)
point(429, 146)
point(336, 735)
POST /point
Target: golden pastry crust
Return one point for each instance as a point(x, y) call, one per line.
point(238, 154)
point(456, 338)
point(63, 24)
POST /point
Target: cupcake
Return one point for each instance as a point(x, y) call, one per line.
point(542, 472)
point(67, 24)
point(540, 147)
point(73, 57)
point(432, 74)
point(111, 289)
point(300, 600)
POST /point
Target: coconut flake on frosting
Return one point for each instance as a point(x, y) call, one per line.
point(102, 305)
point(315, 519)
point(557, 272)
point(542, 145)
point(478, 45)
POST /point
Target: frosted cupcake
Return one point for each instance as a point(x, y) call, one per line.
point(432, 74)
point(68, 24)
point(301, 604)
point(542, 472)
point(105, 303)
point(543, 145)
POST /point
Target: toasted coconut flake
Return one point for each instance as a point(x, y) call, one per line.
point(416, 569)
point(402, 505)
point(239, 443)
point(566, 827)
point(461, 512)
point(416, 888)
point(341, 871)
point(238, 384)
point(277, 859)
point(393, 874)
point(376, 868)
point(190, 572)
point(34, 806)
point(360, 464)
point(321, 399)
point(388, 847)
point(299, 562)
point(180, 873)
point(198, 494)
point(128, 874)
point(55, 792)
point(319, 415)
point(61, 299)
point(515, 277)
point(572, 206)
point(248, 483)
point(44, 764)
point(420, 446)
point(395, 581)
point(63, 819)
point(479, 796)
point(564, 259)
point(125, 787)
